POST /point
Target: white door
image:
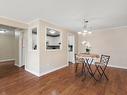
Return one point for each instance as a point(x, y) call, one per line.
point(71, 49)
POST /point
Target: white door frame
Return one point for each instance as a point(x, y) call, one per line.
point(20, 60)
point(73, 53)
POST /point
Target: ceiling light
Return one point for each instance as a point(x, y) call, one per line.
point(52, 31)
point(89, 32)
point(85, 31)
point(85, 28)
point(79, 33)
point(2, 31)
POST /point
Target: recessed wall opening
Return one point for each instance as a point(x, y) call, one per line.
point(12, 46)
point(53, 39)
point(34, 38)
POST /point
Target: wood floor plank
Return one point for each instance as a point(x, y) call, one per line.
point(17, 81)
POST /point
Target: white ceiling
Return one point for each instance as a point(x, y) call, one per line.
point(101, 14)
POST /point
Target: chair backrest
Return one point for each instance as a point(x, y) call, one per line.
point(104, 59)
point(88, 60)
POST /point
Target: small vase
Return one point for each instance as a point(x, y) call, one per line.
point(87, 51)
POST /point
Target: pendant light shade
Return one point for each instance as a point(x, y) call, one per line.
point(85, 29)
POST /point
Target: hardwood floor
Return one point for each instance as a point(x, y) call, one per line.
point(16, 81)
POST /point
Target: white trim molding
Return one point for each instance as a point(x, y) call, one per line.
point(44, 73)
point(114, 66)
point(55, 69)
point(18, 65)
point(5, 60)
point(34, 73)
point(13, 23)
point(111, 28)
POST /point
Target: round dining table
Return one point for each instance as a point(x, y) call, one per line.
point(87, 60)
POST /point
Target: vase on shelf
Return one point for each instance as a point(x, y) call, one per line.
point(87, 51)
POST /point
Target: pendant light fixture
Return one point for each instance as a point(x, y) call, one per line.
point(85, 28)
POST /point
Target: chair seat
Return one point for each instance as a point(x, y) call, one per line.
point(80, 61)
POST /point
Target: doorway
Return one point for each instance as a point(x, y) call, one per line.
point(71, 48)
point(12, 45)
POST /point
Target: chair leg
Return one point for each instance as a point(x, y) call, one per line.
point(83, 71)
point(106, 76)
point(103, 73)
point(76, 67)
point(97, 68)
point(90, 70)
point(91, 73)
point(83, 67)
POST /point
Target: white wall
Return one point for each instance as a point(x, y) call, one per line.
point(41, 61)
point(32, 64)
point(7, 42)
point(111, 42)
point(52, 60)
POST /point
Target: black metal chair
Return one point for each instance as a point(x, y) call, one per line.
point(102, 65)
point(88, 65)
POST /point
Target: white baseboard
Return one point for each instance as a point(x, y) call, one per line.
point(4, 60)
point(117, 66)
point(34, 73)
point(17, 65)
point(44, 73)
